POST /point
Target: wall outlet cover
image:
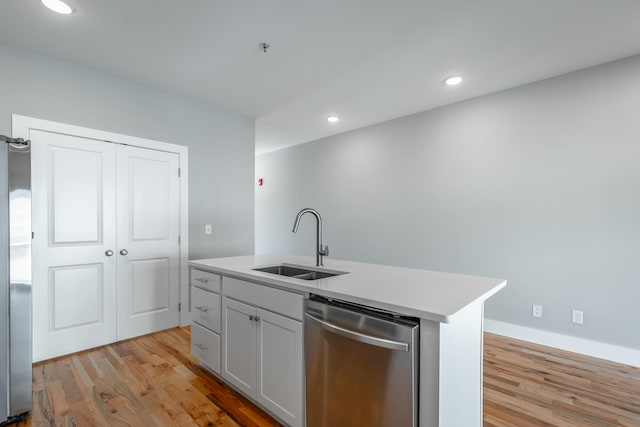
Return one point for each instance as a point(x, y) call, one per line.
point(577, 316)
point(536, 311)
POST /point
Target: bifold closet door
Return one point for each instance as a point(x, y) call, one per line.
point(148, 248)
point(74, 262)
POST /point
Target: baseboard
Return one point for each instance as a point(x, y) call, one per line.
point(615, 353)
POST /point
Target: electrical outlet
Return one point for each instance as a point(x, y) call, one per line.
point(577, 316)
point(536, 311)
point(208, 229)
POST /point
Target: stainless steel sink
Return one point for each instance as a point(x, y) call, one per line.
point(297, 272)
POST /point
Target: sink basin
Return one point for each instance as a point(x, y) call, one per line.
point(298, 272)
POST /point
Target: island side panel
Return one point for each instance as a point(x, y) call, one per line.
point(460, 382)
point(429, 374)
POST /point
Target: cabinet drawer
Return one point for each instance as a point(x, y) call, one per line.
point(205, 346)
point(205, 280)
point(282, 302)
point(205, 308)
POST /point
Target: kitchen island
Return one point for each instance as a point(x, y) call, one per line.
point(449, 306)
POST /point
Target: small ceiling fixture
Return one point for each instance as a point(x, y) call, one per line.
point(333, 119)
point(264, 47)
point(58, 6)
point(453, 80)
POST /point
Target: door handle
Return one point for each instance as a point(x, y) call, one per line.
point(124, 252)
point(202, 308)
point(357, 336)
point(202, 347)
point(201, 280)
point(109, 253)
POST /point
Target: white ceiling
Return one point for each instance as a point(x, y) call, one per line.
point(364, 60)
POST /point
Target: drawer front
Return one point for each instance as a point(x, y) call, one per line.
point(205, 346)
point(205, 308)
point(205, 280)
point(281, 302)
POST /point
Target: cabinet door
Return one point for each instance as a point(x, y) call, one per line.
point(74, 222)
point(239, 344)
point(280, 385)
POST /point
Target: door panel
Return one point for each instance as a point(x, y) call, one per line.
point(71, 284)
point(150, 194)
point(150, 285)
point(74, 226)
point(148, 247)
point(239, 345)
point(75, 216)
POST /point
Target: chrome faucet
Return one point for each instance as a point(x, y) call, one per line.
point(320, 250)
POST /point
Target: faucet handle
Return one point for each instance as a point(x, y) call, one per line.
point(324, 250)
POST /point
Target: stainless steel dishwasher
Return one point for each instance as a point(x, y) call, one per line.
point(361, 366)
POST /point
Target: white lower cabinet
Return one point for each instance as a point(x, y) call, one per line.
point(280, 375)
point(205, 316)
point(240, 345)
point(262, 351)
point(205, 309)
point(205, 346)
point(251, 335)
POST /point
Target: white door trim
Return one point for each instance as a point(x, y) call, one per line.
point(22, 126)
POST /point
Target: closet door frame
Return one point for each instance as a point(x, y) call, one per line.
point(22, 127)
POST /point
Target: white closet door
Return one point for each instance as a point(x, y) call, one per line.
point(148, 248)
point(74, 221)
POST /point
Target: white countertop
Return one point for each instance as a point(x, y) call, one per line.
point(426, 294)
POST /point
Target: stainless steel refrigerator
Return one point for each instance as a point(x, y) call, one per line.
point(15, 279)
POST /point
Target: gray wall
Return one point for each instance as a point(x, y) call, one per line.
point(221, 145)
point(539, 184)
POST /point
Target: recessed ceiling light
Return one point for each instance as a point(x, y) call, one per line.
point(58, 6)
point(453, 80)
point(333, 119)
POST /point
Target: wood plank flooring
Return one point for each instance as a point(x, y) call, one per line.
point(531, 385)
point(146, 381)
point(154, 381)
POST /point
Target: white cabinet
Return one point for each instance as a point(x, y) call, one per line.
point(251, 335)
point(262, 351)
point(205, 316)
point(205, 346)
point(240, 345)
point(280, 377)
point(205, 308)
point(206, 280)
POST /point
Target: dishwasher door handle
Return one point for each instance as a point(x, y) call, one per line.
point(358, 336)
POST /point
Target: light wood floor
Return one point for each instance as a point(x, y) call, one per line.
point(530, 385)
point(153, 381)
point(146, 381)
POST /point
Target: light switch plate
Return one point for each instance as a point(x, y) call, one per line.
point(208, 229)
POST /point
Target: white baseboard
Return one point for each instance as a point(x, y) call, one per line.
point(615, 353)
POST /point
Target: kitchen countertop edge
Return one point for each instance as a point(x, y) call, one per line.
point(240, 267)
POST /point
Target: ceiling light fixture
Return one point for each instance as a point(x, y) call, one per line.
point(333, 119)
point(453, 80)
point(58, 6)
